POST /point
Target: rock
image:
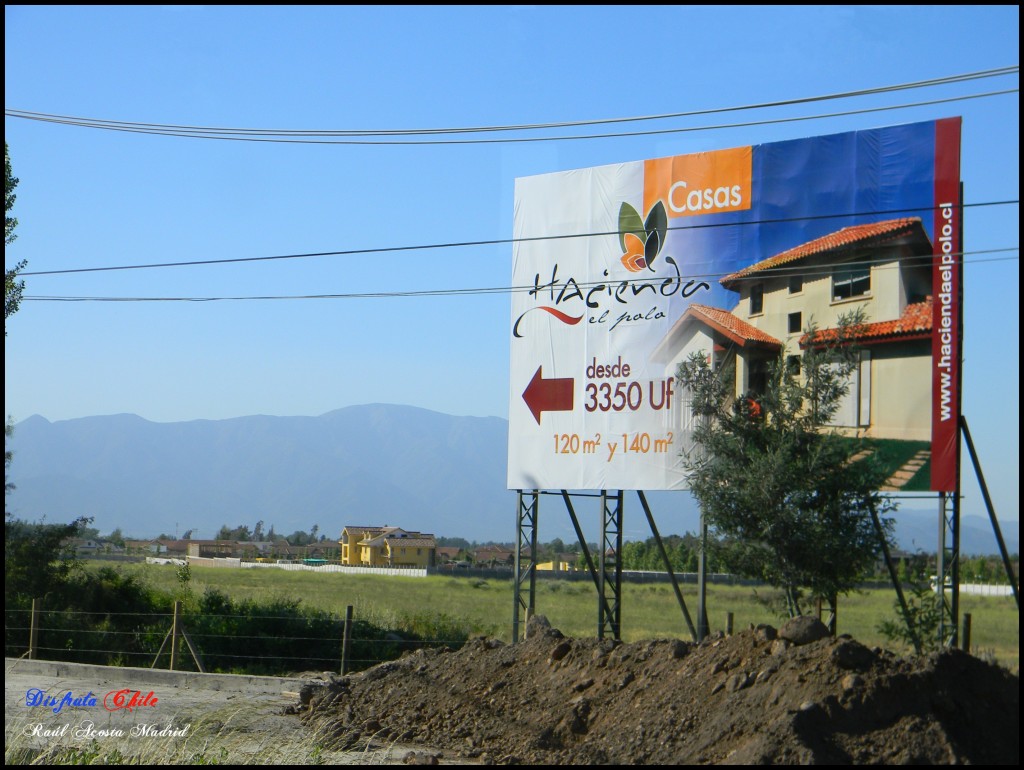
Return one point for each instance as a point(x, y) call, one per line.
point(803, 629)
point(737, 682)
point(852, 682)
point(679, 649)
point(539, 625)
point(561, 650)
point(852, 656)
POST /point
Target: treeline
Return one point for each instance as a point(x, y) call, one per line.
point(111, 617)
point(683, 552)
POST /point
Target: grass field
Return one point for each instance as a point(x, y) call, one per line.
point(649, 611)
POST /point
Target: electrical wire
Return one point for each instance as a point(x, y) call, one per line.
point(521, 140)
point(582, 285)
point(187, 130)
point(491, 242)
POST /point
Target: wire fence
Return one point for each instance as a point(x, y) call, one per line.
point(208, 641)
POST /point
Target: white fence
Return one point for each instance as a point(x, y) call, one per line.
point(224, 561)
point(985, 589)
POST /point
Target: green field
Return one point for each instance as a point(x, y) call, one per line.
point(484, 607)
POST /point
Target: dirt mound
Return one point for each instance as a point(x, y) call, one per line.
point(760, 696)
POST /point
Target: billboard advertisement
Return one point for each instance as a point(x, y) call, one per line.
point(621, 272)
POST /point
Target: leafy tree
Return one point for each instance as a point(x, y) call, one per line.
point(116, 537)
point(241, 532)
point(784, 494)
point(298, 537)
point(919, 628)
point(39, 558)
point(8, 456)
point(12, 286)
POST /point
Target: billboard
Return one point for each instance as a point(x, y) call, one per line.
point(622, 271)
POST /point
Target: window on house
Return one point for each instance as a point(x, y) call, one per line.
point(757, 377)
point(796, 284)
point(793, 366)
point(852, 282)
point(795, 322)
point(756, 299)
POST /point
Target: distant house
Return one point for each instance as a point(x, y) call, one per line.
point(174, 547)
point(386, 547)
point(883, 268)
point(85, 546)
point(494, 556)
point(213, 549)
point(152, 547)
point(446, 554)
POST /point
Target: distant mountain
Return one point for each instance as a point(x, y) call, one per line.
point(367, 465)
point(375, 464)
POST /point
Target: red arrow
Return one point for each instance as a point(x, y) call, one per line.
point(548, 395)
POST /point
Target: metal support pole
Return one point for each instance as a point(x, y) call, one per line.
point(991, 511)
point(668, 564)
point(610, 572)
point(912, 630)
point(948, 569)
point(525, 560)
point(702, 582)
point(605, 608)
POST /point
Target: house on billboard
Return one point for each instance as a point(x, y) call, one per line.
point(386, 547)
point(883, 268)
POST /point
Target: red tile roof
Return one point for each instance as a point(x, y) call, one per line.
point(739, 331)
point(858, 235)
point(915, 323)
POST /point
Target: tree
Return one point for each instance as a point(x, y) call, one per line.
point(8, 456)
point(241, 533)
point(39, 558)
point(116, 537)
point(12, 286)
point(783, 493)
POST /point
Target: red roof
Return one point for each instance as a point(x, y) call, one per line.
point(737, 330)
point(915, 323)
point(858, 235)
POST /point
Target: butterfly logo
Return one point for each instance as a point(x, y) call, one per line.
point(641, 240)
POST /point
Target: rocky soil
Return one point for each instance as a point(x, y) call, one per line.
point(786, 696)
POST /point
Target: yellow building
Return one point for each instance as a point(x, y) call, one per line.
point(386, 547)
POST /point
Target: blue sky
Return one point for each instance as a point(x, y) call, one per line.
point(95, 198)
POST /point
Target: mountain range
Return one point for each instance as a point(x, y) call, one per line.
point(375, 464)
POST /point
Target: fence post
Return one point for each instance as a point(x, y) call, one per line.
point(33, 630)
point(965, 637)
point(175, 633)
point(346, 640)
point(728, 624)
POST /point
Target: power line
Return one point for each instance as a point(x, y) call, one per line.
point(198, 130)
point(511, 140)
point(582, 285)
point(463, 244)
